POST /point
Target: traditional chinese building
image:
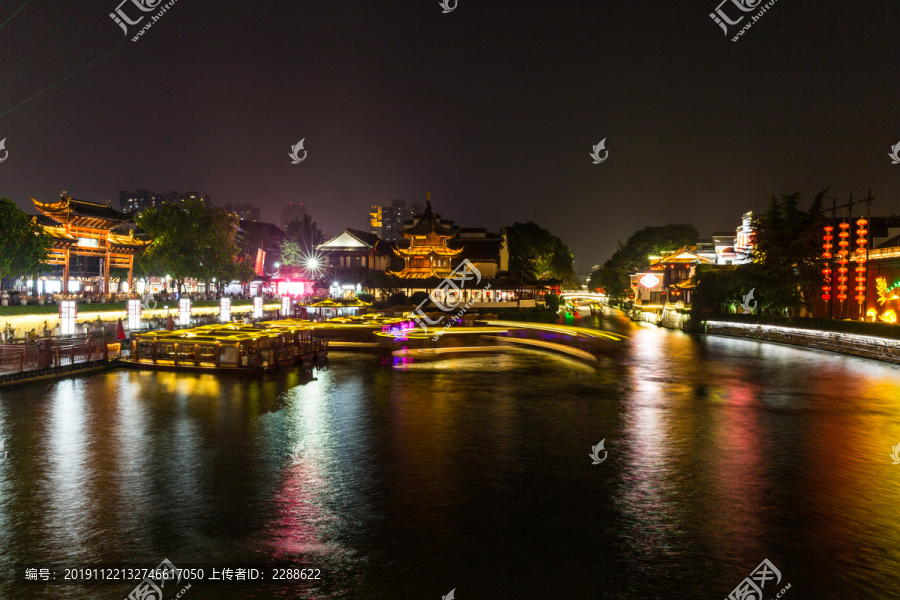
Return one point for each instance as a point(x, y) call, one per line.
point(86, 229)
point(662, 294)
point(429, 253)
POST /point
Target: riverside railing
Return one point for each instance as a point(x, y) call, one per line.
point(44, 357)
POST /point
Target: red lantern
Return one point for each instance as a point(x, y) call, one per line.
point(826, 272)
point(842, 261)
point(862, 242)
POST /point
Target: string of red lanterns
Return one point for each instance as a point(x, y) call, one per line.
point(826, 254)
point(842, 261)
point(861, 243)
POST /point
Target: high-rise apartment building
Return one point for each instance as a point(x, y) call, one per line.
point(141, 200)
point(245, 211)
point(387, 221)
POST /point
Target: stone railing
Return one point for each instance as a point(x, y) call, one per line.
point(865, 346)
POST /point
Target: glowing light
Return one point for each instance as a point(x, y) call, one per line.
point(285, 306)
point(134, 314)
point(835, 336)
point(68, 312)
point(842, 261)
point(649, 281)
point(862, 242)
point(184, 312)
point(225, 309)
point(826, 272)
point(257, 307)
point(889, 317)
point(313, 262)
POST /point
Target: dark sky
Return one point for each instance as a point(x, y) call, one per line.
point(494, 107)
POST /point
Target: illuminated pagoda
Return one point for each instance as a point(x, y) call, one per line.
point(85, 229)
point(429, 253)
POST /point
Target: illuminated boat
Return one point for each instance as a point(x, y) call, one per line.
point(230, 348)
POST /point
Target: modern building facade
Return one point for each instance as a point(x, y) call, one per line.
point(140, 200)
point(244, 211)
point(387, 222)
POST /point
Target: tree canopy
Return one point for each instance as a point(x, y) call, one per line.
point(190, 240)
point(538, 254)
point(785, 272)
point(301, 239)
point(255, 236)
point(634, 255)
point(24, 245)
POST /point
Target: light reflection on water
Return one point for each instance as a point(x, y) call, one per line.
point(472, 472)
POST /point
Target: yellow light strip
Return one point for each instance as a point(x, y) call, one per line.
point(564, 329)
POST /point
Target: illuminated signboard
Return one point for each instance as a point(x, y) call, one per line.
point(649, 281)
point(88, 242)
point(258, 307)
point(285, 306)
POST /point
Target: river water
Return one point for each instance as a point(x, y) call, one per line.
point(472, 473)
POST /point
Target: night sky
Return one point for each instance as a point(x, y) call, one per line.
point(493, 107)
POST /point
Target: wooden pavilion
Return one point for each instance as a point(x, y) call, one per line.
point(85, 229)
point(429, 253)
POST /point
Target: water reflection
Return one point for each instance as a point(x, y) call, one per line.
point(472, 472)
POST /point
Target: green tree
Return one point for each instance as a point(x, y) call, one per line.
point(785, 272)
point(786, 248)
point(191, 241)
point(255, 236)
point(418, 297)
point(538, 254)
point(301, 239)
point(24, 246)
point(552, 302)
point(606, 279)
point(634, 255)
point(384, 283)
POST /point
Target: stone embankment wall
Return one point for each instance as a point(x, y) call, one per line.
point(865, 346)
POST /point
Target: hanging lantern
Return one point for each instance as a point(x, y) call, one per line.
point(842, 261)
point(861, 243)
point(826, 254)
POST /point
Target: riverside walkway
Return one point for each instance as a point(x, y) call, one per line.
point(48, 358)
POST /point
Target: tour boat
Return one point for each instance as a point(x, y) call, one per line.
point(231, 348)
